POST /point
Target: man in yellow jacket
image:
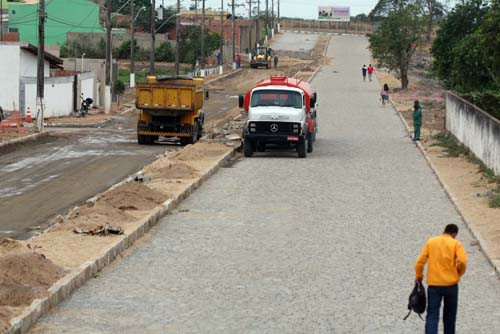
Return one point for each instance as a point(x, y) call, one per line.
point(447, 263)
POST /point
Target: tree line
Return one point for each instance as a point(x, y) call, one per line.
point(465, 52)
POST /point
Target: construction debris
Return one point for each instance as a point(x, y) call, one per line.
point(100, 230)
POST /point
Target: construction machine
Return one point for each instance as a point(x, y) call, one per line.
point(261, 57)
point(170, 106)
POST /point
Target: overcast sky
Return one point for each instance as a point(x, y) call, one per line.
point(290, 8)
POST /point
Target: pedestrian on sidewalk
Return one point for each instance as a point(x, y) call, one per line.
point(363, 71)
point(370, 72)
point(238, 61)
point(417, 120)
point(276, 61)
point(384, 94)
point(447, 262)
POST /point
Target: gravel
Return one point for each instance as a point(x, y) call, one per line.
point(277, 244)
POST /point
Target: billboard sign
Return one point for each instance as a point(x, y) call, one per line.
point(339, 14)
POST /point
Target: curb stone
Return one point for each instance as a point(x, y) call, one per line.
point(475, 233)
point(24, 140)
point(224, 76)
point(77, 277)
point(90, 125)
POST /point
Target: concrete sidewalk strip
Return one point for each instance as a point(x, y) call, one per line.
point(24, 140)
point(77, 277)
point(74, 125)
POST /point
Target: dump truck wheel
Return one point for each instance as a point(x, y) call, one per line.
point(141, 140)
point(247, 148)
point(302, 148)
point(194, 136)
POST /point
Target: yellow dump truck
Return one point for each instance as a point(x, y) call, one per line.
point(170, 107)
point(261, 57)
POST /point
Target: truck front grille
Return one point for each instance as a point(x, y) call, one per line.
point(275, 128)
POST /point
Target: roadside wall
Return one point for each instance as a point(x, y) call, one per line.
point(327, 26)
point(474, 128)
point(143, 40)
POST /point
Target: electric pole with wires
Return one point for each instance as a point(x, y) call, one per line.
point(177, 23)
point(153, 36)
point(107, 89)
point(267, 17)
point(202, 62)
point(222, 32)
point(40, 80)
point(233, 25)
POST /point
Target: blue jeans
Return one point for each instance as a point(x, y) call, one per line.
point(435, 294)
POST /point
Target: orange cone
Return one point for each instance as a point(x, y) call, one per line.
point(28, 117)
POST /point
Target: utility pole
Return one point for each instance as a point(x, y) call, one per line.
point(132, 44)
point(278, 11)
point(267, 17)
point(40, 80)
point(250, 24)
point(107, 90)
point(233, 27)
point(222, 32)
point(195, 12)
point(177, 23)
point(272, 14)
point(153, 36)
point(257, 28)
point(1, 20)
point(203, 35)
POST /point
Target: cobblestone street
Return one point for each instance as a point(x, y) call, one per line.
point(277, 244)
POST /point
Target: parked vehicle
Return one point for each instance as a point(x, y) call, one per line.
point(85, 106)
point(170, 107)
point(261, 57)
point(282, 112)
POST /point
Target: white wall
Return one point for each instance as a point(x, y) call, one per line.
point(88, 88)
point(58, 96)
point(29, 65)
point(475, 129)
point(9, 76)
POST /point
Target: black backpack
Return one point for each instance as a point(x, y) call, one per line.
point(417, 301)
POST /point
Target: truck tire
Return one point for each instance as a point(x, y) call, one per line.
point(247, 148)
point(302, 148)
point(310, 143)
point(145, 140)
point(193, 138)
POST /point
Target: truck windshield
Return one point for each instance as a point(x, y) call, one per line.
point(276, 98)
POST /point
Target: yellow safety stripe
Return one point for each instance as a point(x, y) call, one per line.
point(164, 134)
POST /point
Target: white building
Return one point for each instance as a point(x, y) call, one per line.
point(18, 82)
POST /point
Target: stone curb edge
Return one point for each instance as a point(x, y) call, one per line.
point(316, 71)
point(470, 227)
point(75, 279)
point(90, 125)
point(24, 140)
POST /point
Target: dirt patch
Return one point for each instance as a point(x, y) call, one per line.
point(201, 151)
point(24, 276)
point(167, 169)
point(132, 196)
point(90, 119)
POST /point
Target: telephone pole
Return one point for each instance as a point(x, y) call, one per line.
point(272, 14)
point(233, 18)
point(250, 24)
point(177, 23)
point(203, 35)
point(1, 20)
point(278, 11)
point(132, 44)
point(41, 62)
point(257, 28)
point(222, 32)
point(267, 17)
point(107, 88)
point(153, 36)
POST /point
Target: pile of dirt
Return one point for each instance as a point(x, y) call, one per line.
point(90, 218)
point(132, 196)
point(201, 151)
point(168, 169)
point(24, 276)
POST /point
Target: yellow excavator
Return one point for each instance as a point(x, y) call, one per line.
point(261, 57)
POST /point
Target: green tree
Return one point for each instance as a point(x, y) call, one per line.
point(463, 20)
point(165, 52)
point(190, 44)
point(394, 43)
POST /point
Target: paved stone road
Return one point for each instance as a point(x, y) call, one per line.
point(278, 244)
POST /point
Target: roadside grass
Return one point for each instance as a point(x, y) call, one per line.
point(455, 150)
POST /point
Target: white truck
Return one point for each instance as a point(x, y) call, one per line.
point(281, 113)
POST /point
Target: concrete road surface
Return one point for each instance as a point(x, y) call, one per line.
point(39, 181)
point(295, 42)
point(277, 244)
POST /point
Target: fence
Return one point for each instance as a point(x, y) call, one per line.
point(474, 128)
point(327, 26)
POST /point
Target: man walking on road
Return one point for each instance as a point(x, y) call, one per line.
point(447, 263)
point(363, 71)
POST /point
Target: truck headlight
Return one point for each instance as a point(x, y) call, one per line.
point(252, 127)
point(296, 128)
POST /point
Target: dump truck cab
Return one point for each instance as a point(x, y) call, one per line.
point(170, 107)
point(281, 113)
point(261, 57)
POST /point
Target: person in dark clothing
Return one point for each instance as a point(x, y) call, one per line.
point(417, 120)
point(363, 71)
point(1, 114)
point(276, 61)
